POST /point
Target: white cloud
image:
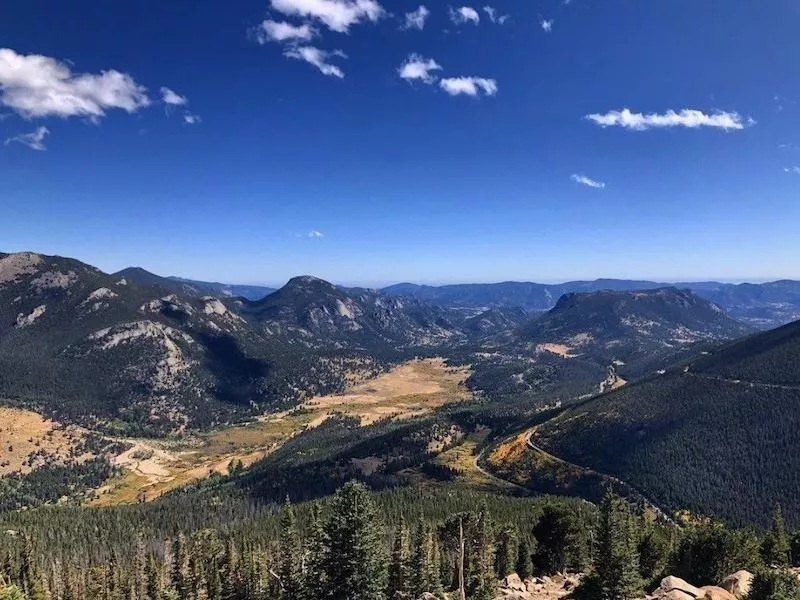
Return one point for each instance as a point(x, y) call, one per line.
point(493, 16)
point(37, 86)
point(584, 180)
point(172, 98)
point(416, 19)
point(417, 68)
point(190, 119)
point(469, 86)
point(795, 170)
point(685, 118)
point(281, 31)
point(547, 25)
point(34, 140)
point(337, 15)
point(315, 234)
point(317, 57)
point(464, 14)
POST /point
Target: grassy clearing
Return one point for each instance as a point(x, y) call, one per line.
point(28, 440)
point(152, 467)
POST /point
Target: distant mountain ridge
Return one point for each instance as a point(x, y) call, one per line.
point(763, 305)
point(194, 287)
point(631, 326)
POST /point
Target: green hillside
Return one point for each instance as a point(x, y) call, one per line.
point(704, 438)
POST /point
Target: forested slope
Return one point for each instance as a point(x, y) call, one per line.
point(718, 437)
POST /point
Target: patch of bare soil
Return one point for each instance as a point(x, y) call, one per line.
point(28, 440)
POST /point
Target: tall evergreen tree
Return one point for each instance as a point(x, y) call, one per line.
point(399, 584)
point(314, 559)
point(776, 547)
point(506, 555)
point(354, 564)
point(481, 576)
point(617, 561)
point(289, 558)
point(524, 565)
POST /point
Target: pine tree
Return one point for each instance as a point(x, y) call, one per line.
point(181, 576)
point(617, 559)
point(289, 559)
point(399, 585)
point(153, 576)
point(524, 564)
point(314, 580)
point(776, 547)
point(230, 571)
point(506, 556)
point(481, 579)
point(354, 564)
point(423, 575)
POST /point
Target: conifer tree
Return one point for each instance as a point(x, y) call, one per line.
point(314, 580)
point(776, 547)
point(617, 560)
point(153, 578)
point(524, 565)
point(506, 556)
point(481, 580)
point(289, 559)
point(354, 564)
point(399, 584)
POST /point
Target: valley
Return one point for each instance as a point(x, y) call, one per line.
point(152, 467)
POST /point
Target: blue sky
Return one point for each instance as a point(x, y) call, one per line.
point(368, 146)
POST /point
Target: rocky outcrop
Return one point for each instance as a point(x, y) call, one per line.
point(712, 592)
point(537, 588)
point(738, 583)
point(675, 588)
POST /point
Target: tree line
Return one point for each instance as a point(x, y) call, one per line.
point(344, 549)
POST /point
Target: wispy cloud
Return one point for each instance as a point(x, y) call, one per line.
point(546, 24)
point(464, 14)
point(315, 234)
point(281, 31)
point(36, 86)
point(689, 118)
point(469, 86)
point(491, 12)
point(587, 181)
point(416, 19)
point(34, 140)
point(417, 68)
point(336, 15)
point(172, 98)
point(190, 119)
point(795, 170)
point(317, 57)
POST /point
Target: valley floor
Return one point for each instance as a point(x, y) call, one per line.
point(153, 467)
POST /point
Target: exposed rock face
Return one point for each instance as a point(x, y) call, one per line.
point(17, 265)
point(675, 588)
point(712, 592)
point(738, 583)
point(25, 320)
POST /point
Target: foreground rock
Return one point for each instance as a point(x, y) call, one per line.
point(738, 584)
point(675, 588)
point(537, 588)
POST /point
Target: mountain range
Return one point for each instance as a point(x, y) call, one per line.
point(762, 305)
point(133, 352)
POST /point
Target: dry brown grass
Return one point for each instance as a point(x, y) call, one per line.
point(153, 467)
point(24, 433)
